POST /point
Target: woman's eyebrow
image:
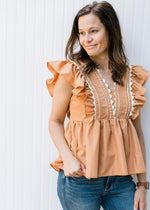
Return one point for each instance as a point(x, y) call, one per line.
point(90, 27)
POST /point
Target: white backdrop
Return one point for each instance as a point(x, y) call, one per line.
point(33, 32)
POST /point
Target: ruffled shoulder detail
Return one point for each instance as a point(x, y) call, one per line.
point(139, 76)
point(71, 73)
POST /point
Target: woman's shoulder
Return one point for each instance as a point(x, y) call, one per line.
point(138, 77)
point(64, 66)
point(69, 69)
point(139, 74)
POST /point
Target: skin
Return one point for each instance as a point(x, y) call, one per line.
point(93, 33)
point(94, 39)
point(140, 194)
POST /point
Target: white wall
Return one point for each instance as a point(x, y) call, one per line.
point(33, 32)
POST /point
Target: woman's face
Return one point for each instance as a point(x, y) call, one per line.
point(92, 35)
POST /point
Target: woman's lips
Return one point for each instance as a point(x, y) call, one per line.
point(90, 46)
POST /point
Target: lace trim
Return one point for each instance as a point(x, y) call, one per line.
point(130, 93)
point(108, 99)
point(115, 99)
point(117, 95)
point(113, 104)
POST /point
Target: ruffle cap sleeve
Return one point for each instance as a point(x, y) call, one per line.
point(139, 77)
point(71, 73)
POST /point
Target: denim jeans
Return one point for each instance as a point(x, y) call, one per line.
point(111, 192)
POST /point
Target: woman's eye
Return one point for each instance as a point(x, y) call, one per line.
point(81, 33)
point(94, 31)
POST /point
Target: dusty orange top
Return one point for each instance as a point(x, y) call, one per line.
point(100, 132)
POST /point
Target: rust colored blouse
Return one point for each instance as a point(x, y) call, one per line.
point(100, 132)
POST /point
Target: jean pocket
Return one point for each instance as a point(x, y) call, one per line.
point(121, 180)
point(77, 179)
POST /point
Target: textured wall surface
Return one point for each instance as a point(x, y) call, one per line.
point(32, 33)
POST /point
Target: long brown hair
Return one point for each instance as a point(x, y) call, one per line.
point(118, 61)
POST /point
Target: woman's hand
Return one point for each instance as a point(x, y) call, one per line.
point(140, 198)
point(73, 167)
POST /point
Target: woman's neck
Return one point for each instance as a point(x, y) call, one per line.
point(102, 62)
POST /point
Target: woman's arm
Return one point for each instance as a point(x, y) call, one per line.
point(140, 194)
point(61, 99)
point(137, 124)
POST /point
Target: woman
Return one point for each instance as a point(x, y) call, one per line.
point(103, 143)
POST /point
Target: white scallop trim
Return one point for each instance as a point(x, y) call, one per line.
point(115, 99)
point(110, 95)
point(106, 94)
point(131, 92)
point(117, 95)
point(128, 94)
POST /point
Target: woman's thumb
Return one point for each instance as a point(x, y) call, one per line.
point(83, 169)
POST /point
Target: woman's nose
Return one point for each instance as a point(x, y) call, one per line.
point(88, 38)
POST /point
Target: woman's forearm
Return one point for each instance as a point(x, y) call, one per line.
point(142, 177)
point(56, 130)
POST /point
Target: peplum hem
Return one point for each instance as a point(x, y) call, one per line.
point(105, 147)
point(139, 77)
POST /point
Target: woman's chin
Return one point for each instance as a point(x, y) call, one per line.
point(91, 54)
point(96, 54)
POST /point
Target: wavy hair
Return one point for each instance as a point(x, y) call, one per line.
point(118, 61)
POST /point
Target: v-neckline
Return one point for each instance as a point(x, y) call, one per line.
point(106, 84)
point(111, 96)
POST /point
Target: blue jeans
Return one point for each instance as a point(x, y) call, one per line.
point(111, 192)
